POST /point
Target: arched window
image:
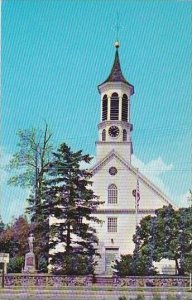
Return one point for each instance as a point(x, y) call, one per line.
point(104, 108)
point(114, 113)
point(124, 135)
point(112, 194)
point(103, 135)
point(124, 107)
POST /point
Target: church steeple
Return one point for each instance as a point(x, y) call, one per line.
point(115, 126)
point(116, 74)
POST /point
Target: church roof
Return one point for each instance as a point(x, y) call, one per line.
point(116, 74)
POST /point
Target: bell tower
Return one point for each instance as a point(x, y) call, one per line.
point(115, 125)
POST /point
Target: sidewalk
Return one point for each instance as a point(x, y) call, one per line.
point(88, 294)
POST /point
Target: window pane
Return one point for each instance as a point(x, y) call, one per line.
point(112, 194)
point(112, 225)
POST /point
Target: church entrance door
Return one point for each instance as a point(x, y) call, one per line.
point(111, 255)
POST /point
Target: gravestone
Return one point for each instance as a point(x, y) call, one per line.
point(30, 264)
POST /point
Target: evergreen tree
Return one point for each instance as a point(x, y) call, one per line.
point(71, 203)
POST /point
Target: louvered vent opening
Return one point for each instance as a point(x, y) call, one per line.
point(124, 108)
point(114, 115)
point(104, 108)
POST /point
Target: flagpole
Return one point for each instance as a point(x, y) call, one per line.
point(136, 195)
point(136, 202)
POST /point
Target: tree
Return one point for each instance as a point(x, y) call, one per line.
point(168, 234)
point(30, 164)
point(2, 225)
point(134, 265)
point(32, 159)
point(123, 266)
point(69, 199)
point(14, 240)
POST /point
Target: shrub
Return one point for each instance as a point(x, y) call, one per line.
point(15, 265)
point(75, 264)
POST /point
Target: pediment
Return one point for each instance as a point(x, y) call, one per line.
point(113, 154)
point(142, 178)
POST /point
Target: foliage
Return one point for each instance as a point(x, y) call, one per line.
point(128, 265)
point(41, 244)
point(69, 199)
point(2, 225)
point(32, 159)
point(123, 267)
point(30, 165)
point(168, 234)
point(13, 239)
point(42, 263)
point(15, 264)
point(74, 264)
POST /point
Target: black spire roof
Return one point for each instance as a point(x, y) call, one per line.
point(116, 74)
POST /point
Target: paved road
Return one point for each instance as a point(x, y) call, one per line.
point(85, 295)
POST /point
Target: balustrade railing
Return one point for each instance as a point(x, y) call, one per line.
point(58, 281)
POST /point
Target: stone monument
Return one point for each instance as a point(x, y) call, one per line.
point(30, 257)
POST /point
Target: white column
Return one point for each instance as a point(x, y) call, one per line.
point(120, 108)
point(108, 108)
point(101, 108)
point(129, 110)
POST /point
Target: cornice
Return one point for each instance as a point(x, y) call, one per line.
point(126, 87)
point(112, 143)
point(124, 211)
point(123, 124)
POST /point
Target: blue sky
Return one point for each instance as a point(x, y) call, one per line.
point(55, 53)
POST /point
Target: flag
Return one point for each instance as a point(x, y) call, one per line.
point(136, 194)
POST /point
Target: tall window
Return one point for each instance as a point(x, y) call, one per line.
point(103, 135)
point(112, 225)
point(124, 107)
point(112, 194)
point(114, 114)
point(124, 135)
point(104, 108)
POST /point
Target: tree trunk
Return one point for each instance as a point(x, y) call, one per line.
point(177, 266)
point(68, 242)
point(180, 270)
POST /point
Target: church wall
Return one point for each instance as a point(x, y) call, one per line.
point(121, 240)
point(124, 149)
point(124, 210)
point(126, 182)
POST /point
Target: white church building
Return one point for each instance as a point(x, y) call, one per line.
point(114, 177)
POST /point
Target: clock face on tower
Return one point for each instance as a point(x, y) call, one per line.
point(113, 131)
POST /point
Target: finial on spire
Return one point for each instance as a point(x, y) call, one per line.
point(117, 44)
point(117, 28)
